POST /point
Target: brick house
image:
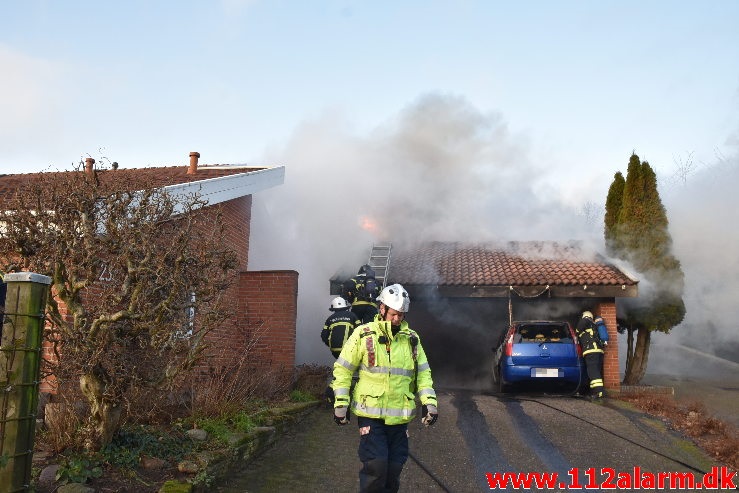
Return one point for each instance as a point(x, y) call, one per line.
point(464, 295)
point(264, 298)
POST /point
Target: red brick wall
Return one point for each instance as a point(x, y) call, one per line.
point(264, 326)
point(264, 303)
point(270, 300)
point(237, 217)
point(612, 374)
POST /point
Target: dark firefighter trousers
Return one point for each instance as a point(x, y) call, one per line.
point(594, 365)
point(383, 451)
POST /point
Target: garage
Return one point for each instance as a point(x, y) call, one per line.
point(463, 296)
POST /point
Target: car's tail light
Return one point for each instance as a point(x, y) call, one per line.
point(509, 345)
point(576, 340)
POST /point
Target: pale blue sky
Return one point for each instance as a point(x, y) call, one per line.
point(469, 120)
point(583, 83)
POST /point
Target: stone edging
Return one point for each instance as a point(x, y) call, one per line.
point(244, 447)
point(647, 390)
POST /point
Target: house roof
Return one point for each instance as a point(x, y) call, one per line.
point(216, 182)
point(527, 268)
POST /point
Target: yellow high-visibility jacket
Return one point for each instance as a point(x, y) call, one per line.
point(393, 370)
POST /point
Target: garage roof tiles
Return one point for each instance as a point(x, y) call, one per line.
point(508, 264)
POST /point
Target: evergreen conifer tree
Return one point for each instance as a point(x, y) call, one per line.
point(636, 230)
point(614, 202)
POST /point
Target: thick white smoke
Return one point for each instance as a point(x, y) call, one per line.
point(701, 209)
point(442, 170)
point(439, 170)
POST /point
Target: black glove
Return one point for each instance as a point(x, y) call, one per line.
point(429, 414)
point(328, 394)
point(341, 415)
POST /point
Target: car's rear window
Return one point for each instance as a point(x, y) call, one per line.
point(542, 333)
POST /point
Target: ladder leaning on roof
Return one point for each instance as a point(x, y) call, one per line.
point(379, 260)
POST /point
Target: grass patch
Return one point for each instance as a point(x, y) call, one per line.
point(301, 396)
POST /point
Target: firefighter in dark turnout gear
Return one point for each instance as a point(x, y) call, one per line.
point(339, 325)
point(393, 372)
point(600, 326)
point(592, 351)
point(336, 330)
point(362, 291)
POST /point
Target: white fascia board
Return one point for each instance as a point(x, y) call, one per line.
point(225, 188)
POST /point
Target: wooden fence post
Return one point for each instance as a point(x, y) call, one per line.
point(20, 360)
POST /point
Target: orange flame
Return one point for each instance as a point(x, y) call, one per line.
point(369, 224)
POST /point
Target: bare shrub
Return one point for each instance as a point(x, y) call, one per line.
point(696, 406)
point(63, 426)
point(725, 449)
point(140, 276)
point(718, 438)
point(232, 387)
point(312, 378)
point(658, 405)
point(228, 389)
point(157, 406)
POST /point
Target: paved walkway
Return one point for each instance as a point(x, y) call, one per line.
point(319, 456)
point(313, 455)
point(476, 434)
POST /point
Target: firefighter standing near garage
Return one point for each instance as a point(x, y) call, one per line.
point(339, 325)
point(336, 330)
point(592, 351)
point(362, 291)
point(393, 371)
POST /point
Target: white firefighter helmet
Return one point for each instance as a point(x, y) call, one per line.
point(587, 314)
point(338, 303)
point(396, 297)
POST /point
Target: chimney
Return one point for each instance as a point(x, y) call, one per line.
point(89, 165)
point(193, 163)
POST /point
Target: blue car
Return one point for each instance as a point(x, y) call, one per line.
point(538, 351)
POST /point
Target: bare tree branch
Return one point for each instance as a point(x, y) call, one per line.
point(130, 264)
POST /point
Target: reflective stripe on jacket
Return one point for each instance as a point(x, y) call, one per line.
point(387, 380)
point(337, 329)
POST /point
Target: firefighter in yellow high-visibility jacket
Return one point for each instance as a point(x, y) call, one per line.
point(393, 372)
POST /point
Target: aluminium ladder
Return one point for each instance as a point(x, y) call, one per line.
point(379, 260)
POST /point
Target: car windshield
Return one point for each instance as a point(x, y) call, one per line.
point(542, 332)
